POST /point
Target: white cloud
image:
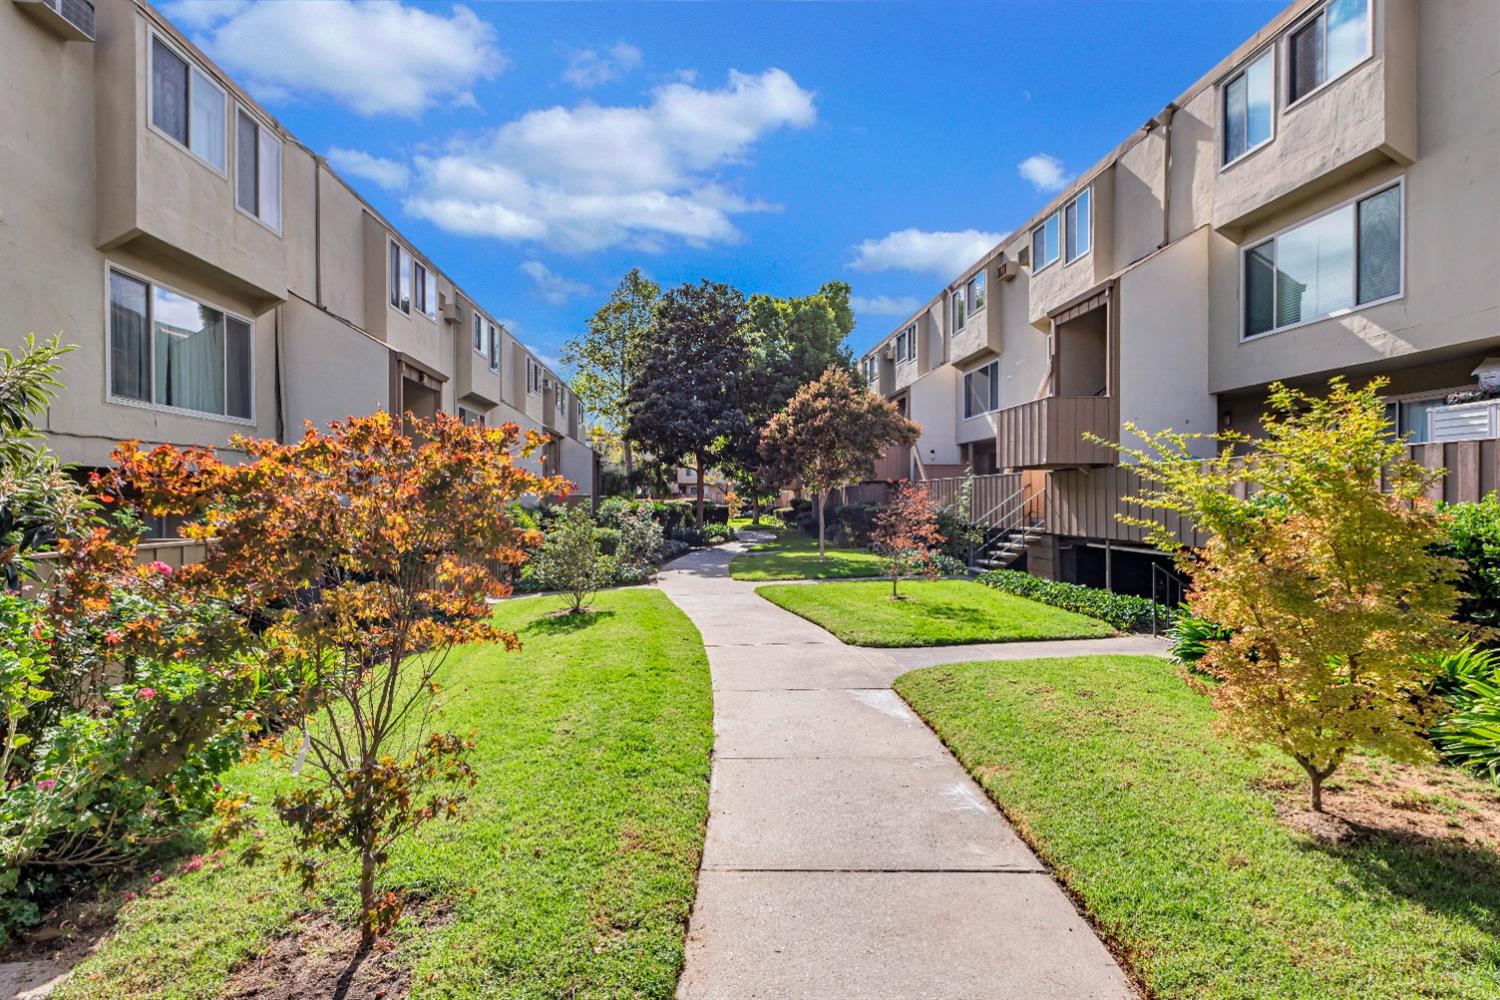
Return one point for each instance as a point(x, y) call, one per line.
point(940, 253)
point(386, 173)
point(588, 177)
point(590, 67)
point(193, 14)
point(884, 305)
point(550, 285)
point(1045, 173)
point(373, 57)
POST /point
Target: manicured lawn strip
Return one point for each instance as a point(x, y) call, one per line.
point(576, 870)
point(794, 556)
point(1108, 767)
point(933, 613)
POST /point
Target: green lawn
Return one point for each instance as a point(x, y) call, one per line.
point(576, 870)
point(1170, 839)
point(794, 556)
point(931, 613)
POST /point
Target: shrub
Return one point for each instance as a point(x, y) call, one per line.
point(1124, 611)
point(1473, 535)
point(570, 562)
point(1190, 636)
point(906, 533)
point(640, 540)
point(1469, 737)
point(717, 534)
point(946, 565)
point(608, 540)
point(672, 548)
point(856, 521)
point(786, 515)
point(611, 509)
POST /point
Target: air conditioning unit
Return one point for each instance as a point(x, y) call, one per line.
point(450, 311)
point(70, 20)
point(1006, 271)
point(890, 354)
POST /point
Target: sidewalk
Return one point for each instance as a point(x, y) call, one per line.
point(849, 857)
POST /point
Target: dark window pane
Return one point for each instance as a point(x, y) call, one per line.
point(1380, 245)
point(1260, 289)
point(129, 345)
point(169, 91)
point(994, 379)
point(238, 367)
point(1235, 118)
point(395, 275)
point(1070, 228)
point(1307, 61)
point(246, 169)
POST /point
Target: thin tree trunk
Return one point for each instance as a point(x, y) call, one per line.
point(699, 457)
point(754, 511)
point(366, 900)
point(629, 457)
point(1316, 777)
point(819, 500)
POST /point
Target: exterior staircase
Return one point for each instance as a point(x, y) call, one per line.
point(1004, 545)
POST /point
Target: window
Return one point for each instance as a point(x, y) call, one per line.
point(1066, 232)
point(166, 349)
point(867, 367)
point(257, 168)
point(470, 417)
point(494, 348)
point(1247, 107)
point(400, 277)
point(1045, 245)
point(425, 287)
point(982, 390)
point(1076, 230)
point(976, 292)
point(533, 377)
point(1327, 45)
point(478, 333)
point(186, 105)
point(1347, 257)
point(562, 405)
point(960, 309)
point(906, 344)
point(1408, 416)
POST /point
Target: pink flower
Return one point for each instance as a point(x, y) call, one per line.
point(112, 637)
point(162, 568)
point(129, 896)
point(155, 877)
point(47, 784)
point(146, 694)
point(193, 864)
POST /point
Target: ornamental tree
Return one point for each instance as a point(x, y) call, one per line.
point(906, 533)
point(608, 357)
point(830, 434)
point(570, 562)
point(363, 557)
point(1327, 584)
point(692, 393)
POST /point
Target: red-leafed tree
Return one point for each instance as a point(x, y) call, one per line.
point(829, 436)
point(906, 533)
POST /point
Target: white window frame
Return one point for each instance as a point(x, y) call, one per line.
point(1422, 397)
point(1062, 225)
point(192, 64)
point(404, 262)
point(906, 344)
point(479, 321)
point(143, 404)
point(533, 377)
point(492, 346)
point(1244, 69)
point(470, 418)
point(1286, 55)
point(993, 364)
point(1400, 185)
point(261, 129)
point(424, 284)
point(976, 280)
point(562, 403)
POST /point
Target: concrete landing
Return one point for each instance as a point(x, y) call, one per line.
point(849, 856)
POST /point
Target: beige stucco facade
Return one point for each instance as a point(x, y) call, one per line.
point(91, 187)
point(1151, 325)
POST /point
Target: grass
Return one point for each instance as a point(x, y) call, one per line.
point(575, 871)
point(1170, 838)
point(932, 613)
point(794, 556)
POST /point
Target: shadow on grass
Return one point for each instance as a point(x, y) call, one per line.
point(566, 623)
point(1452, 877)
point(949, 612)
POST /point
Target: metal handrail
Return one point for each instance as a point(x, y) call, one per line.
point(1169, 580)
point(1003, 528)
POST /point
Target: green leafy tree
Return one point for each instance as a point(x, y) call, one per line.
point(829, 435)
point(570, 562)
point(1474, 537)
point(1327, 586)
point(608, 357)
point(692, 394)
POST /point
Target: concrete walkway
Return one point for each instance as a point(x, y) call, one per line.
point(849, 856)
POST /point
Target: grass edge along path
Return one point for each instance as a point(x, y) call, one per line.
point(577, 866)
point(931, 613)
point(1170, 840)
point(791, 555)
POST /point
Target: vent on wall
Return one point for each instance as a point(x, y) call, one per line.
point(70, 20)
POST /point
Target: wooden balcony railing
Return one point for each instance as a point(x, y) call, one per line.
point(1048, 433)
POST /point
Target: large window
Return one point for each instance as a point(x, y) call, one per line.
point(1077, 233)
point(982, 390)
point(186, 105)
point(1067, 232)
point(425, 289)
point(1248, 96)
point(257, 170)
point(1326, 45)
point(1347, 257)
point(906, 343)
point(400, 277)
point(968, 299)
point(166, 349)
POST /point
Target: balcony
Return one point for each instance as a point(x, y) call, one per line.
point(1048, 433)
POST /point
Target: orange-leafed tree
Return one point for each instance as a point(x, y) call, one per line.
point(906, 533)
point(829, 435)
point(362, 556)
point(1321, 568)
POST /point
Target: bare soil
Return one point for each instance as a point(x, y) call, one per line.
point(1370, 798)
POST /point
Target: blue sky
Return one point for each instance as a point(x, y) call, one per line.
point(537, 151)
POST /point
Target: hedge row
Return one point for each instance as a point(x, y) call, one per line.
point(1124, 611)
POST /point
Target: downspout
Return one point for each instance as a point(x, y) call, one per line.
point(318, 231)
point(276, 363)
point(1165, 120)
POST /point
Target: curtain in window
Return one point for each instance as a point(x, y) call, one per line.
point(169, 91)
point(129, 345)
point(189, 352)
point(1380, 245)
point(246, 168)
point(207, 120)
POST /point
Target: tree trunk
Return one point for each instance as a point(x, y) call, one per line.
point(629, 458)
point(1316, 777)
point(818, 494)
point(699, 457)
point(754, 511)
point(366, 900)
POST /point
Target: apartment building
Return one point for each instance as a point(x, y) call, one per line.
point(1322, 202)
point(217, 276)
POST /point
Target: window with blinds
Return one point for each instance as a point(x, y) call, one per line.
point(1347, 257)
point(982, 390)
point(1327, 45)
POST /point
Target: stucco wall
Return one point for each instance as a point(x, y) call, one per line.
point(314, 343)
point(932, 401)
